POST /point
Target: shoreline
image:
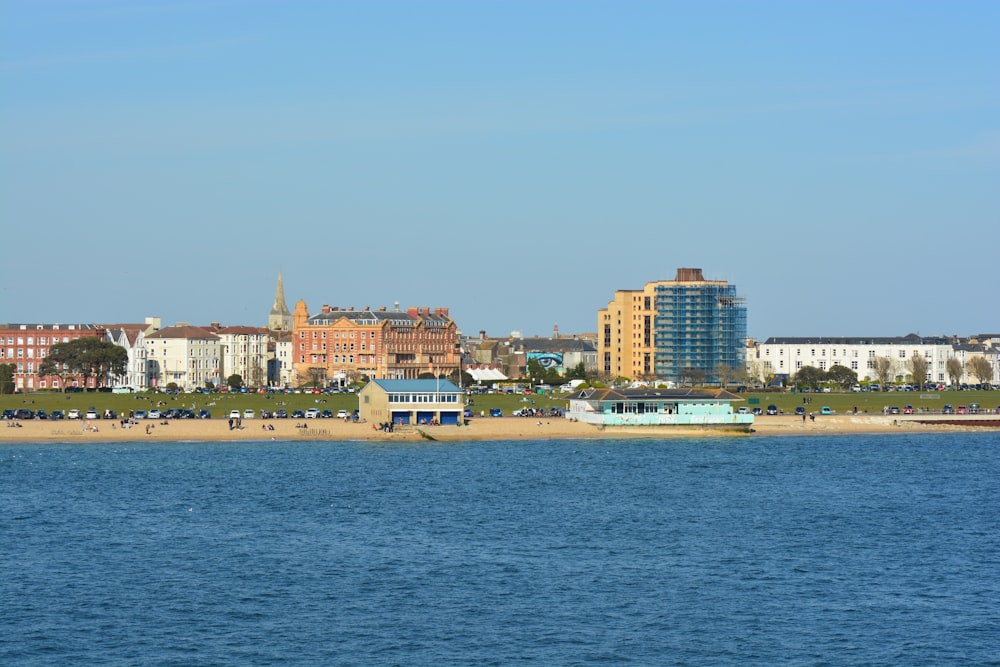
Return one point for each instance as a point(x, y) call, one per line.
point(483, 428)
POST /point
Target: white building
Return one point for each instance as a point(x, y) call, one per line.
point(283, 374)
point(184, 355)
point(132, 337)
point(783, 357)
point(243, 352)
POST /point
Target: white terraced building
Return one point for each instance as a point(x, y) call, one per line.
point(783, 357)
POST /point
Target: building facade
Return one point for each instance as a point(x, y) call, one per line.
point(183, 355)
point(343, 347)
point(683, 331)
point(243, 352)
point(418, 402)
point(781, 357)
point(26, 346)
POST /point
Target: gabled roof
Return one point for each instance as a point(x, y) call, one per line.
point(649, 394)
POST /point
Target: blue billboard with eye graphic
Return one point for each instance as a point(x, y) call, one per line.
point(548, 360)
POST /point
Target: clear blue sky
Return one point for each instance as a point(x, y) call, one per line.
point(516, 162)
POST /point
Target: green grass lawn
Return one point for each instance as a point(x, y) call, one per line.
point(221, 404)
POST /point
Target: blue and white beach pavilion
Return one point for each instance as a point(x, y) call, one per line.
point(656, 407)
point(418, 402)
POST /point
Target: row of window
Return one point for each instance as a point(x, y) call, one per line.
point(854, 353)
point(423, 398)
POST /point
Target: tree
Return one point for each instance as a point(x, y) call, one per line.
point(953, 367)
point(7, 378)
point(981, 368)
point(918, 366)
point(809, 376)
point(725, 373)
point(317, 375)
point(692, 376)
point(842, 376)
point(883, 369)
point(86, 357)
point(234, 381)
point(578, 372)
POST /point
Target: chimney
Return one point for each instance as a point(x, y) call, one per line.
point(381, 309)
point(413, 312)
point(325, 309)
point(482, 334)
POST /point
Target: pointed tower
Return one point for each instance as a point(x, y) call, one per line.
point(280, 318)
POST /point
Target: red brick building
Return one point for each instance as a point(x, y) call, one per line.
point(27, 345)
point(342, 346)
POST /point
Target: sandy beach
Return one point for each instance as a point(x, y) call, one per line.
point(505, 428)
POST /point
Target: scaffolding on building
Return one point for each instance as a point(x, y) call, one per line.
point(700, 328)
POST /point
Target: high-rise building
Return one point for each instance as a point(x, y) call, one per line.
point(686, 331)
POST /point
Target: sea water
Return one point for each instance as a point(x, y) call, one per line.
point(859, 550)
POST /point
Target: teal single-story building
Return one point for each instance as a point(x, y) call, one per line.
point(417, 402)
point(656, 407)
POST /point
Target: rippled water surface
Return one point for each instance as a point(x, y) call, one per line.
point(833, 550)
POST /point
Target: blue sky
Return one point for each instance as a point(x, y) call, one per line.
point(516, 162)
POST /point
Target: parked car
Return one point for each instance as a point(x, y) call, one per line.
point(73, 414)
point(799, 411)
point(298, 414)
point(973, 409)
point(343, 414)
point(948, 409)
point(757, 411)
point(204, 414)
point(894, 410)
point(57, 414)
point(153, 414)
point(24, 413)
point(743, 410)
point(907, 409)
point(312, 413)
point(248, 414)
point(8, 414)
point(41, 414)
point(825, 410)
point(961, 410)
point(496, 412)
point(772, 409)
point(326, 414)
point(92, 413)
point(281, 413)
point(140, 414)
point(234, 414)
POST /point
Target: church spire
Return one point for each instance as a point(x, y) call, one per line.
point(280, 318)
